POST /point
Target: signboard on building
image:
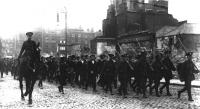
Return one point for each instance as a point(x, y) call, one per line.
point(105, 48)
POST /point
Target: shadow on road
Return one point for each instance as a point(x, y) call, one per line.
point(1, 80)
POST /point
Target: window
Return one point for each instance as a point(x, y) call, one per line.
point(62, 48)
point(79, 35)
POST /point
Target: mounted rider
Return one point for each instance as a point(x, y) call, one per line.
point(28, 50)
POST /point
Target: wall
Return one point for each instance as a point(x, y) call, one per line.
point(134, 21)
point(121, 23)
point(154, 21)
point(78, 37)
point(191, 42)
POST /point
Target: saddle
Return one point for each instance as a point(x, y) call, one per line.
point(26, 60)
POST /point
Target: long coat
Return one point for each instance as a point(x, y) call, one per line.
point(29, 49)
point(169, 67)
point(124, 71)
point(109, 68)
point(186, 70)
point(141, 69)
point(157, 70)
point(92, 68)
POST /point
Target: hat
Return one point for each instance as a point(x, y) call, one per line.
point(86, 56)
point(124, 55)
point(167, 51)
point(102, 56)
point(78, 57)
point(29, 33)
point(143, 53)
point(62, 59)
point(92, 56)
point(189, 54)
point(137, 56)
point(111, 55)
point(73, 57)
point(158, 56)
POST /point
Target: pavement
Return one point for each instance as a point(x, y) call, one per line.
point(75, 98)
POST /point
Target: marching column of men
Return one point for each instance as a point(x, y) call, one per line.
point(109, 71)
point(6, 66)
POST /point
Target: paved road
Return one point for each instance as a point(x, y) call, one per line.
point(50, 98)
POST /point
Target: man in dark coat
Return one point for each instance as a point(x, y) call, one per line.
point(108, 70)
point(6, 66)
point(84, 72)
point(42, 70)
point(167, 72)
point(92, 74)
point(62, 75)
point(123, 75)
point(71, 70)
point(77, 70)
point(28, 51)
point(1, 67)
point(100, 64)
point(187, 75)
point(49, 69)
point(29, 48)
point(141, 69)
point(116, 62)
point(157, 73)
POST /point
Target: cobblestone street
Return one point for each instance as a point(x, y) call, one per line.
point(76, 98)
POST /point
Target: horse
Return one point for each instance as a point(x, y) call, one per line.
point(25, 71)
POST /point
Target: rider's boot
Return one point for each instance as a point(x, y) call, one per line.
point(30, 101)
point(26, 93)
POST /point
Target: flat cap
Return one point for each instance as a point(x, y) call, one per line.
point(29, 33)
point(92, 55)
point(167, 51)
point(111, 55)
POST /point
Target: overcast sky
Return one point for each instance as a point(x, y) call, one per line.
point(25, 15)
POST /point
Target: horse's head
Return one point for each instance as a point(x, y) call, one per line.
point(37, 55)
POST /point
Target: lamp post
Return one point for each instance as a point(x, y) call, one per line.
point(65, 31)
point(65, 28)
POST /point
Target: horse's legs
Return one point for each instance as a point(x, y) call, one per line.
point(30, 97)
point(27, 86)
point(21, 87)
point(150, 86)
point(32, 83)
point(40, 85)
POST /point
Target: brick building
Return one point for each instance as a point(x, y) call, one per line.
point(78, 42)
point(134, 19)
point(141, 18)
